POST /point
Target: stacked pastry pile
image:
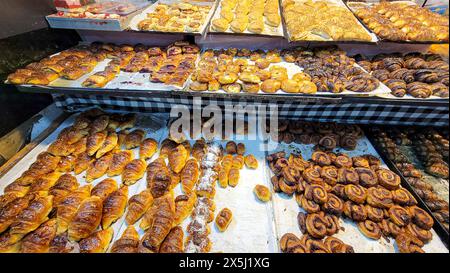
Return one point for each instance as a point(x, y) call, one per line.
point(177, 17)
point(321, 21)
point(404, 22)
point(333, 71)
point(47, 210)
point(325, 136)
point(424, 189)
point(234, 70)
point(332, 185)
point(250, 15)
point(418, 75)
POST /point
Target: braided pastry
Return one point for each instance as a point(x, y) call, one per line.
point(403, 197)
point(397, 86)
point(370, 229)
point(425, 75)
point(419, 89)
point(379, 197)
point(421, 218)
point(403, 74)
point(354, 211)
point(399, 216)
point(367, 177)
point(334, 205)
point(356, 193)
point(329, 175)
point(348, 176)
point(388, 179)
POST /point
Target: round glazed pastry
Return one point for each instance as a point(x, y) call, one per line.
point(270, 86)
point(299, 77)
point(307, 87)
point(289, 86)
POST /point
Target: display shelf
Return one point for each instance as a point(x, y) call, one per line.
point(438, 227)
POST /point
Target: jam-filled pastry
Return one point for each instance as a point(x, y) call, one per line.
point(33, 216)
point(189, 176)
point(173, 243)
point(114, 206)
point(183, 207)
point(94, 142)
point(97, 242)
point(68, 206)
point(10, 211)
point(134, 139)
point(148, 148)
point(108, 145)
point(104, 188)
point(118, 162)
point(86, 219)
point(98, 168)
point(223, 219)
point(128, 242)
point(39, 240)
point(163, 217)
point(65, 185)
point(138, 205)
point(262, 192)
point(133, 171)
point(177, 158)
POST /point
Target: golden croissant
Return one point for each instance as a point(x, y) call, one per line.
point(177, 158)
point(97, 242)
point(114, 206)
point(99, 124)
point(10, 211)
point(68, 206)
point(134, 139)
point(82, 162)
point(158, 178)
point(189, 176)
point(183, 207)
point(39, 240)
point(66, 164)
point(162, 222)
point(133, 171)
point(86, 219)
point(173, 243)
point(166, 147)
point(45, 182)
point(108, 145)
point(65, 184)
point(94, 142)
point(33, 216)
point(138, 205)
point(118, 162)
point(128, 242)
point(148, 148)
point(9, 243)
point(98, 168)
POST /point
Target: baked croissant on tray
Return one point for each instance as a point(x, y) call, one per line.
point(39, 240)
point(138, 205)
point(98, 242)
point(128, 242)
point(114, 206)
point(86, 219)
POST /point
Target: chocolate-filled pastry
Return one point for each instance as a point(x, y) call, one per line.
point(381, 74)
point(403, 74)
point(148, 148)
point(370, 229)
point(407, 243)
point(403, 197)
point(98, 167)
point(334, 205)
point(397, 86)
point(128, 242)
point(426, 76)
point(321, 158)
point(108, 145)
point(355, 193)
point(173, 243)
point(94, 142)
point(399, 216)
point(419, 90)
point(388, 179)
point(119, 160)
point(356, 212)
point(104, 188)
point(348, 176)
point(392, 64)
point(138, 205)
point(440, 90)
point(65, 184)
point(97, 242)
point(348, 143)
point(421, 218)
point(177, 158)
point(329, 175)
point(166, 147)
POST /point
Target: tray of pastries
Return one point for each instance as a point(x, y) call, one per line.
point(171, 16)
point(340, 201)
point(323, 71)
point(410, 76)
point(103, 65)
point(402, 21)
point(251, 17)
point(322, 20)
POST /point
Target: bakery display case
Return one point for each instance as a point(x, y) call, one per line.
point(348, 151)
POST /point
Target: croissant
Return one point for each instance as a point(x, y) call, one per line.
point(61, 244)
point(94, 142)
point(33, 216)
point(39, 240)
point(9, 212)
point(177, 158)
point(133, 171)
point(86, 219)
point(162, 221)
point(118, 162)
point(138, 205)
point(98, 168)
point(173, 243)
point(8, 243)
point(65, 184)
point(114, 206)
point(68, 206)
point(148, 148)
point(122, 135)
point(104, 188)
point(183, 207)
point(158, 178)
point(45, 182)
point(16, 188)
point(134, 139)
point(98, 242)
point(199, 149)
point(128, 242)
point(108, 145)
point(100, 123)
point(66, 164)
point(166, 147)
point(82, 162)
point(189, 176)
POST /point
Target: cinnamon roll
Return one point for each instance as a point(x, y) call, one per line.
point(370, 229)
point(379, 197)
point(403, 197)
point(356, 193)
point(388, 179)
point(356, 212)
point(422, 234)
point(329, 175)
point(367, 177)
point(360, 161)
point(399, 216)
point(316, 193)
point(312, 175)
point(321, 158)
point(421, 218)
point(339, 191)
point(334, 205)
point(343, 161)
point(374, 214)
point(388, 228)
point(348, 176)
point(316, 225)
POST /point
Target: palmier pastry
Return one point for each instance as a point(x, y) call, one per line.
point(374, 214)
point(343, 161)
point(316, 225)
point(308, 205)
point(289, 243)
point(316, 193)
point(337, 246)
point(312, 175)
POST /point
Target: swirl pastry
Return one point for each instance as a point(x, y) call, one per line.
point(399, 216)
point(316, 225)
point(388, 179)
point(329, 175)
point(403, 197)
point(316, 193)
point(312, 175)
point(337, 246)
point(348, 143)
point(426, 76)
point(392, 64)
point(370, 229)
point(422, 234)
point(421, 218)
point(403, 74)
point(308, 205)
point(354, 211)
point(328, 142)
point(348, 176)
point(334, 205)
point(367, 177)
point(375, 214)
point(343, 161)
point(321, 158)
point(289, 243)
point(355, 193)
point(379, 197)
